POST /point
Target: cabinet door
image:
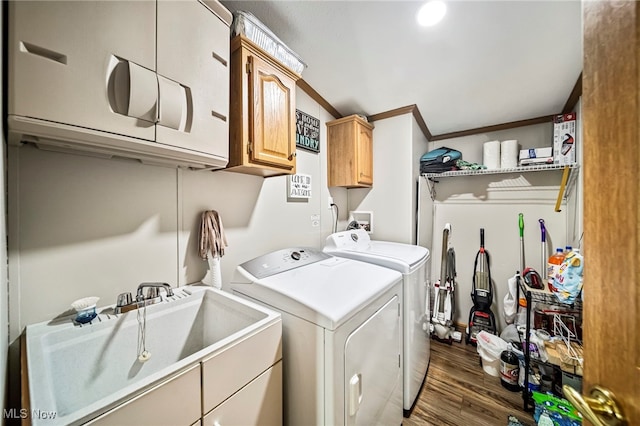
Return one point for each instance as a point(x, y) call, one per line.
point(174, 402)
point(272, 113)
point(364, 149)
point(62, 55)
point(194, 99)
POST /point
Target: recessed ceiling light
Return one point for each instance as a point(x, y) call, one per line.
point(431, 13)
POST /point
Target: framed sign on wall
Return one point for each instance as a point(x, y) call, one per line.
point(299, 186)
point(307, 132)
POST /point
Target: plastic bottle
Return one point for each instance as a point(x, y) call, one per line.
point(509, 370)
point(553, 265)
point(567, 250)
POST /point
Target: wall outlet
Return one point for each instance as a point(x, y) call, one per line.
point(330, 201)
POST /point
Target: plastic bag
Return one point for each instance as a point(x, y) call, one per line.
point(510, 304)
point(490, 346)
point(568, 279)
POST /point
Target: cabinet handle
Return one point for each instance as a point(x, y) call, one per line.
point(293, 154)
point(218, 115)
point(219, 58)
point(174, 104)
point(132, 90)
point(45, 53)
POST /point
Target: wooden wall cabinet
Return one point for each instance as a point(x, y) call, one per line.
point(262, 127)
point(350, 152)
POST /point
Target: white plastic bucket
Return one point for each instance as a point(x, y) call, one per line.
point(489, 348)
point(491, 367)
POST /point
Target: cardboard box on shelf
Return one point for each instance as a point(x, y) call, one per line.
point(536, 153)
point(564, 139)
point(536, 156)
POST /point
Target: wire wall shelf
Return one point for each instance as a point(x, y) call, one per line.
point(520, 169)
point(568, 178)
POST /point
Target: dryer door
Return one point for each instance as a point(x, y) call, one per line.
point(373, 381)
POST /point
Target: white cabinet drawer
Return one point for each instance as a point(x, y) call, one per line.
point(226, 372)
point(258, 403)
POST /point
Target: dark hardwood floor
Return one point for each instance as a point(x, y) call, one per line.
point(458, 392)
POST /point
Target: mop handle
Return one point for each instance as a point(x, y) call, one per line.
point(543, 235)
point(521, 226)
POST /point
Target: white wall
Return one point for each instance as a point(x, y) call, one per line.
point(493, 202)
point(4, 315)
point(397, 146)
point(83, 226)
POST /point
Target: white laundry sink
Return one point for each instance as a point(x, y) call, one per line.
point(76, 372)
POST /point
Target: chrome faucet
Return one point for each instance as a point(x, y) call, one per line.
point(126, 303)
point(154, 291)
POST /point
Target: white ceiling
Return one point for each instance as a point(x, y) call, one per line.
point(486, 63)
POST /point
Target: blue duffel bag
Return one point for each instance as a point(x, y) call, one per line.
point(439, 160)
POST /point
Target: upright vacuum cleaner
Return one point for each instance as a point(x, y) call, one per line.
point(444, 305)
point(481, 317)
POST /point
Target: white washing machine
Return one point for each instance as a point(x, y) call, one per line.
point(413, 262)
point(342, 336)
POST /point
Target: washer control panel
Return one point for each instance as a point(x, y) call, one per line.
point(282, 260)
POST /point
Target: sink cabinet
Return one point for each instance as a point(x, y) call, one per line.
point(173, 402)
point(145, 80)
point(262, 112)
point(350, 152)
point(233, 386)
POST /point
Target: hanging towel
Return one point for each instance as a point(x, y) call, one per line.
point(211, 245)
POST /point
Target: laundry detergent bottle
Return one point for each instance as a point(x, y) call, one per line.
point(553, 265)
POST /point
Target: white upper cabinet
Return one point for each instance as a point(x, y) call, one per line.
point(189, 33)
point(140, 79)
point(60, 54)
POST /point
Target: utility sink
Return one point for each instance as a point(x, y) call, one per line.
point(76, 372)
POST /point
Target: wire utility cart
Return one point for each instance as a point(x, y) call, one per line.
point(559, 327)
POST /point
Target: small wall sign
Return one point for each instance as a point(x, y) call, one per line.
point(299, 186)
point(307, 132)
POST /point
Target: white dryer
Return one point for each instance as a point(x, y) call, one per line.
point(342, 334)
point(413, 262)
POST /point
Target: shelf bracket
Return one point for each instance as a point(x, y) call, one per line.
point(432, 187)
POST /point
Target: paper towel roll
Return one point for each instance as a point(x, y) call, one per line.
point(509, 154)
point(491, 154)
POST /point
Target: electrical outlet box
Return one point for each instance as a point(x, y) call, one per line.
point(329, 202)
